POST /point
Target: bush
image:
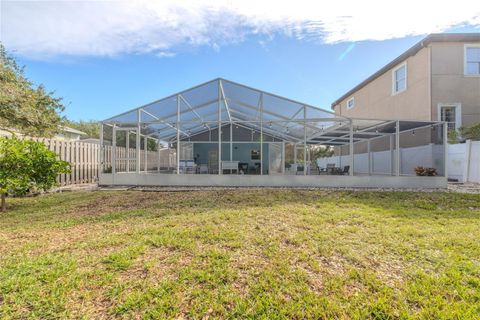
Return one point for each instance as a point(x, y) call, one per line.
point(421, 171)
point(27, 166)
point(472, 133)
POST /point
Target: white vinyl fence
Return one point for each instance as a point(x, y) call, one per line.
point(463, 161)
point(382, 162)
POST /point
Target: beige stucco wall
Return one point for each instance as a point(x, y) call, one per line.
point(376, 101)
point(450, 85)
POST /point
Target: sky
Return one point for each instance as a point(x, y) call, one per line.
point(106, 57)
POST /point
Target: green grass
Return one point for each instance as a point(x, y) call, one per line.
point(258, 254)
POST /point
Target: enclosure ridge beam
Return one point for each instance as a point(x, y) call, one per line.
point(164, 122)
point(191, 108)
point(225, 101)
point(296, 113)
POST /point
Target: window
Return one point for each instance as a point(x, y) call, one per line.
point(350, 103)
point(255, 154)
point(399, 78)
point(450, 114)
point(472, 60)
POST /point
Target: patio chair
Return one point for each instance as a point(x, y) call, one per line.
point(243, 167)
point(203, 168)
point(330, 169)
point(320, 169)
point(257, 167)
point(300, 169)
point(346, 170)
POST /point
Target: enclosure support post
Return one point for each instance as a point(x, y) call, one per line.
point(101, 154)
point(127, 146)
point(283, 156)
point(304, 140)
point(178, 134)
point(397, 148)
point(295, 153)
point(445, 151)
point(219, 128)
point(114, 150)
point(352, 155)
point(145, 144)
point(159, 153)
point(261, 133)
point(231, 141)
point(369, 151)
point(137, 144)
point(392, 160)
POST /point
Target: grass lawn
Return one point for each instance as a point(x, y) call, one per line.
point(241, 254)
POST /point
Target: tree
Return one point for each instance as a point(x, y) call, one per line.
point(23, 107)
point(322, 152)
point(472, 133)
point(27, 166)
point(90, 127)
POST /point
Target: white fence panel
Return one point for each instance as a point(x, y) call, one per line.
point(474, 163)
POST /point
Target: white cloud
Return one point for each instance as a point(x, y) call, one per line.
point(86, 28)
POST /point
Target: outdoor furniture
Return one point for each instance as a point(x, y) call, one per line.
point(330, 169)
point(256, 168)
point(340, 171)
point(187, 166)
point(243, 167)
point(230, 165)
point(294, 167)
point(213, 167)
point(203, 168)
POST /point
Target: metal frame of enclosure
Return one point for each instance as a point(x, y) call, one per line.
point(222, 133)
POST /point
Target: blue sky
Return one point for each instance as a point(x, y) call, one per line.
point(102, 75)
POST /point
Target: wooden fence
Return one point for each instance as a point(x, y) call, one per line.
point(84, 159)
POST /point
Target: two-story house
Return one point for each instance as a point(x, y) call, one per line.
point(436, 79)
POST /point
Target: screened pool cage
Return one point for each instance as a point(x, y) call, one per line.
point(228, 134)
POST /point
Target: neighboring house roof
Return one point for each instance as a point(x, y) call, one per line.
point(63, 129)
point(434, 37)
point(71, 130)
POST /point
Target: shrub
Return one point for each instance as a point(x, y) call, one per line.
point(421, 171)
point(27, 166)
point(472, 132)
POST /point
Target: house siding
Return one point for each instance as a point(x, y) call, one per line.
point(450, 85)
point(376, 101)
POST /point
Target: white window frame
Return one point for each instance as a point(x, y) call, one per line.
point(465, 46)
point(394, 82)
point(458, 113)
point(353, 103)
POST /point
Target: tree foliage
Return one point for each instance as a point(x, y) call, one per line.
point(24, 107)
point(90, 127)
point(322, 152)
point(472, 133)
point(27, 166)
